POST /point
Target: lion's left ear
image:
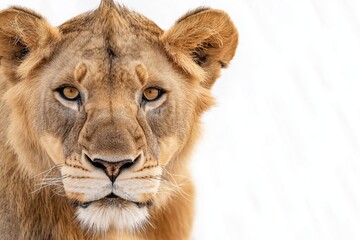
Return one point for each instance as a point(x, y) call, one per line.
point(23, 34)
point(202, 42)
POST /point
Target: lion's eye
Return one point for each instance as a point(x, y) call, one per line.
point(152, 94)
point(69, 93)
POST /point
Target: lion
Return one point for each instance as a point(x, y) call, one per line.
point(98, 120)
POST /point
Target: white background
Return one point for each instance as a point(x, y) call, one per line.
point(279, 157)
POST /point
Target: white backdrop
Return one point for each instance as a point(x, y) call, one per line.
point(279, 157)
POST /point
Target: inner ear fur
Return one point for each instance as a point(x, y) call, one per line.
point(202, 42)
point(23, 33)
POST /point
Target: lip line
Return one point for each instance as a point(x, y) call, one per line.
point(105, 197)
point(86, 204)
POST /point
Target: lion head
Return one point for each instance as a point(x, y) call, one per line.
point(110, 103)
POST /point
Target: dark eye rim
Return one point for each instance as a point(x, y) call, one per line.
point(60, 90)
point(161, 93)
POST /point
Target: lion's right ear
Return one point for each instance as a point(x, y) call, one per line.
point(24, 35)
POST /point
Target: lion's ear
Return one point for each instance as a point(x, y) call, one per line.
point(202, 42)
point(22, 32)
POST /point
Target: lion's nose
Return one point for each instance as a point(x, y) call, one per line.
point(112, 168)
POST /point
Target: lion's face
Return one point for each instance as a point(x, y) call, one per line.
point(112, 117)
point(110, 101)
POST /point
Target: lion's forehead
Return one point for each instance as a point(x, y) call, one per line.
point(111, 66)
point(118, 36)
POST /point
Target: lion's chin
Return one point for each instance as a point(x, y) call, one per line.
point(100, 216)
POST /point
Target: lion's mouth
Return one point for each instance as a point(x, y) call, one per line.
point(112, 200)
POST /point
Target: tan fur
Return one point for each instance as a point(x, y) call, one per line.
point(110, 55)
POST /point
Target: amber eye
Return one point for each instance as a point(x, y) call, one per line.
point(152, 94)
point(69, 93)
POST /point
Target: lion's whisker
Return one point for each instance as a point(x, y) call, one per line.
point(49, 182)
point(46, 172)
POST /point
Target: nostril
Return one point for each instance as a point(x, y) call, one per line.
point(126, 165)
point(95, 163)
point(130, 163)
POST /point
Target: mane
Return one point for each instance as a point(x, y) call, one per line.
point(106, 15)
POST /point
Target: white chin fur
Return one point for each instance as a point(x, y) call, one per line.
point(100, 219)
